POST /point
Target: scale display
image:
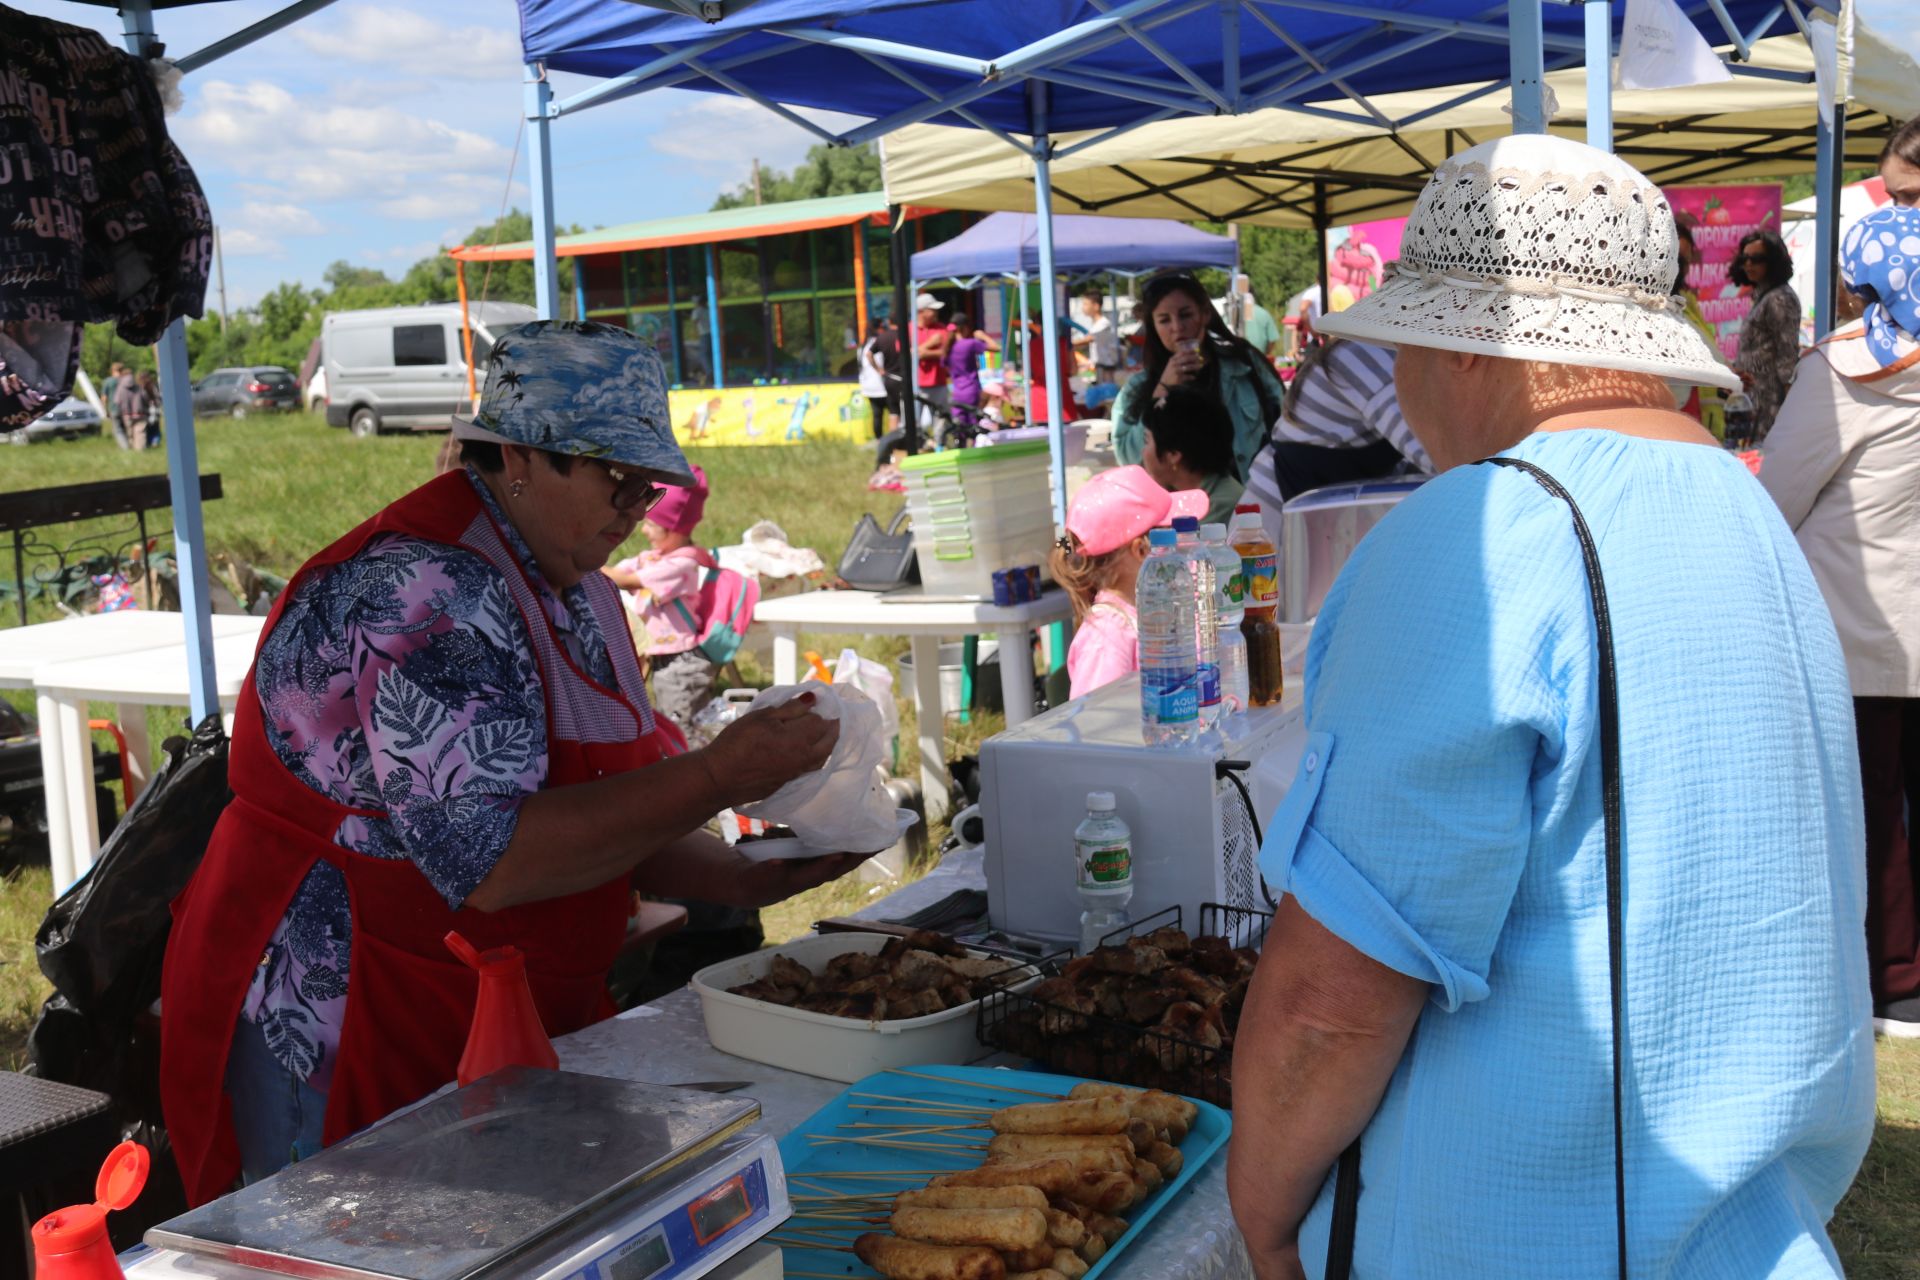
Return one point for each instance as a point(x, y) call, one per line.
point(647, 1259)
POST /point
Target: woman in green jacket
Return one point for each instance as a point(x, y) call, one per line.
point(1189, 345)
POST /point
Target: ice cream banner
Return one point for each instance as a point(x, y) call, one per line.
point(1721, 217)
point(783, 413)
point(1357, 257)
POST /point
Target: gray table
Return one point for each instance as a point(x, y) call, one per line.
point(665, 1042)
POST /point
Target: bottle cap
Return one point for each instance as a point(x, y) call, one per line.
point(1162, 538)
point(81, 1227)
point(1100, 802)
point(1213, 532)
point(1185, 524)
point(1242, 508)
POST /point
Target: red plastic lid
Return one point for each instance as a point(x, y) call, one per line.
point(79, 1226)
point(505, 959)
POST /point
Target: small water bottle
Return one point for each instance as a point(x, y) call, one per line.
point(1230, 597)
point(1169, 678)
point(1103, 865)
point(1206, 618)
point(1739, 412)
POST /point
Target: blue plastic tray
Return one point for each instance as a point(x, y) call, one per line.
point(810, 1165)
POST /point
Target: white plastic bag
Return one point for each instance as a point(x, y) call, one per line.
point(844, 805)
point(873, 679)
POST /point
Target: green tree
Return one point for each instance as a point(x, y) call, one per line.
point(827, 171)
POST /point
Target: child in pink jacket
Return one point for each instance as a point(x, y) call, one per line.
point(662, 586)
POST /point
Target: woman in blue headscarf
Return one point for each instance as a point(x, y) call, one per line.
point(1843, 462)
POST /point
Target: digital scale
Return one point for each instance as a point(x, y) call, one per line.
point(546, 1175)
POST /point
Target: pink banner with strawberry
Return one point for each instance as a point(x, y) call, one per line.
point(1721, 217)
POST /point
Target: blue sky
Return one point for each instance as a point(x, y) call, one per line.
point(379, 131)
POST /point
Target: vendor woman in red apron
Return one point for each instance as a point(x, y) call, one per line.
point(445, 728)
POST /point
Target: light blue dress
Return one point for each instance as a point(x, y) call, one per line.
point(1446, 821)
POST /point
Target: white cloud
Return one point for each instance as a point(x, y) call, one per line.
point(297, 150)
point(721, 135)
point(288, 219)
point(406, 41)
point(239, 242)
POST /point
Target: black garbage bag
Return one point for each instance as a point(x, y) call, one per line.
point(101, 947)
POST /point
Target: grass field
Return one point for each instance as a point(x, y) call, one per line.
point(293, 485)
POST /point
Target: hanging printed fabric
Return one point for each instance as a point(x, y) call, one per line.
point(101, 218)
point(1660, 48)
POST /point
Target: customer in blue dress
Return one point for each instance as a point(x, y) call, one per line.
point(1436, 982)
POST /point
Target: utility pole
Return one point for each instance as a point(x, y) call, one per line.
point(756, 180)
point(220, 275)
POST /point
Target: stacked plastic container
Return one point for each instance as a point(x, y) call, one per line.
point(977, 510)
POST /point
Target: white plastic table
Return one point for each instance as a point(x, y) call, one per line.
point(925, 623)
point(137, 676)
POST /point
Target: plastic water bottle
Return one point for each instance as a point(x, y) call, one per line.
point(1230, 598)
point(1169, 681)
point(1739, 413)
point(1206, 618)
point(1103, 866)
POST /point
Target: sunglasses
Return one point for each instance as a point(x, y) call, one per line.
point(631, 493)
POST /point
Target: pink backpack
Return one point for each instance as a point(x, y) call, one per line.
point(727, 600)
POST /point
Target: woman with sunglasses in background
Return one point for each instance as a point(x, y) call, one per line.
point(446, 728)
point(1189, 345)
point(1770, 335)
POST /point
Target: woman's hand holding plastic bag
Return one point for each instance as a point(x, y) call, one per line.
point(764, 750)
point(844, 805)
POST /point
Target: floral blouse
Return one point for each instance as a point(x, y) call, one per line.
point(401, 680)
point(1770, 353)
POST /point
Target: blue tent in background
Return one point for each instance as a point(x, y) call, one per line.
point(1008, 244)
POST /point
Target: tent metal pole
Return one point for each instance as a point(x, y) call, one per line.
point(1830, 143)
point(1320, 234)
point(546, 267)
point(183, 462)
point(1526, 54)
point(901, 259)
point(1026, 351)
point(713, 319)
point(248, 35)
point(1599, 16)
point(1049, 305)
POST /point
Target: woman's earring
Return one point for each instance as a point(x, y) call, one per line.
point(517, 488)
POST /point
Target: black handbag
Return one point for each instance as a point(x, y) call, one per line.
point(1346, 1186)
point(879, 559)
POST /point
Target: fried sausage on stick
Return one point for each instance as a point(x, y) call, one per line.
point(971, 1198)
point(1052, 1177)
point(989, 1228)
point(1085, 1115)
point(899, 1259)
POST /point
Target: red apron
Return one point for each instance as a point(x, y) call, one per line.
point(409, 1002)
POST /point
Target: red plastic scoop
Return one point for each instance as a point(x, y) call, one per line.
point(72, 1243)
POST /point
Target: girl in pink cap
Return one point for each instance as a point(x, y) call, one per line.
point(1097, 562)
point(662, 586)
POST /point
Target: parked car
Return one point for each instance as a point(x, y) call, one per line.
point(259, 388)
point(71, 419)
point(402, 368)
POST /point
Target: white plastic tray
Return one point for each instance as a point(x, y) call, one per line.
point(784, 847)
point(816, 1044)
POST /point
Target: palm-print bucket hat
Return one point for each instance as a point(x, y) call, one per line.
point(585, 389)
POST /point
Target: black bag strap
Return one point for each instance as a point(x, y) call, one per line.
point(1346, 1191)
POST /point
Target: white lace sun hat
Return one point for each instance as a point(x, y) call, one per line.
point(1539, 248)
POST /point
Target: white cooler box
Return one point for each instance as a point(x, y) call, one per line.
point(1192, 841)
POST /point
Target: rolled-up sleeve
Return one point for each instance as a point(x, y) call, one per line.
point(1436, 688)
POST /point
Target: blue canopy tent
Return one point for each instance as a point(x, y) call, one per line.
point(1023, 69)
point(1008, 244)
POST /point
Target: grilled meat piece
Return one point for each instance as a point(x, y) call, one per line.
point(1140, 959)
point(1201, 988)
point(768, 990)
point(1174, 942)
point(850, 966)
point(938, 943)
point(868, 1006)
point(914, 1004)
point(1145, 1005)
point(920, 970)
point(790, 973)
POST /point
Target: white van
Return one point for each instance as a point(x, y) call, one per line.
point(401, 368)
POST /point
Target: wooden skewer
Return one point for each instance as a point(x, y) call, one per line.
point(918, 1104)
point(820, 1139)
point(906, 1128)
point(807, 1244)
point(880, 1173)
point(972, 1084)
point(843, 1195)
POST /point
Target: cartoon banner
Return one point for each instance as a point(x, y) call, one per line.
point(782, 414)
point(1721, 217)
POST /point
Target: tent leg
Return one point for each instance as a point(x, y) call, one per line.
point(1526, 50)
point(546, 267)
point(1320, 235)
point(183, 464)
point(1830, 146)
point(1599, 15)
point(1026, 354)
point(189, 534)
point(713, 317)
point(1049, 305)
point(903, 315)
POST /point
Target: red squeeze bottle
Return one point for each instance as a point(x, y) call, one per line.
point(506, 1027)
point(72, 1244)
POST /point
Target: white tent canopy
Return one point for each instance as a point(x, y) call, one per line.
point(1278, 168)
